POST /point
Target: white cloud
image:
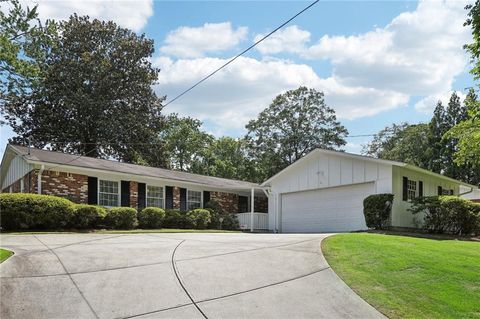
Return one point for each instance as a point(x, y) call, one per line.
point(291, 39)
point(238, 93)
point(132, 14)
point(418, 53)
point(194, 42)
point(428, 104)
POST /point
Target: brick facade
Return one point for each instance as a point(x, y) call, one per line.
point(75, 188)
point(71, 186)
point(176, 197)
point(134, 194)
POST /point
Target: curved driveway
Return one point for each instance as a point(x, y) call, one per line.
point(173, 276)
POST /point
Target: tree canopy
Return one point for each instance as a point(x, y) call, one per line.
point(96, 98)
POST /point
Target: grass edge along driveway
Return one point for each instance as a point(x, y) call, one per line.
point(406, 277)
point(4, 254)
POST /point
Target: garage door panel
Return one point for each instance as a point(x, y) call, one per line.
point(334, 209)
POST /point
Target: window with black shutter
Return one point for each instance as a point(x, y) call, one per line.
point(206, 197)
point(183, 199)
point(420, 189)
point(242, 204)
point(168, 197)
point(125, 194)
point(439, 191)
point(405, 189)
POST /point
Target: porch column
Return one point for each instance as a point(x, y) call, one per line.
point(252, 210)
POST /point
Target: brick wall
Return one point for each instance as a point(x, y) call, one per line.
point(261, 204)
point(176, 197)
point(68, 185)
point(134, 194)
point(228, 201)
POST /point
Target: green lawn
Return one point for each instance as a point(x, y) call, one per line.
point(133, 231)
point(406, 277)
point(4, 254)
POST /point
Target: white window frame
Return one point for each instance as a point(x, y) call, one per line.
point(22, 185)
point(118, 192)
point(163, 194)
point(201, 198)
point(411, 191)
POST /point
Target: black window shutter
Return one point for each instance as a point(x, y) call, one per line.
point(183, 199)
point(451, 192)
point(439, 190)
point(168, 197)
point(206, 197)
point(125, 193)
point(405, 188)
point(142, 192)
point(92, 190)
point(242, 204)
point(420, 188)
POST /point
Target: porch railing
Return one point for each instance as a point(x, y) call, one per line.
point(260, 221)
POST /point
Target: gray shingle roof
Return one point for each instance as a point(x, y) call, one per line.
point(59, 158)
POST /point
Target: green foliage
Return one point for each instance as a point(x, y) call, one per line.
point(219, 219)
point(377, 209)
point(24, 43)
point(87, 216)
point(121, 218)
point(151, 217)
point(176, 219)
point(33, 211)
point(474, 48)
point(230, 222)
point(447, 214)
point(184, 141)
point(199, 218)
point(108, 108)
point(294, 124)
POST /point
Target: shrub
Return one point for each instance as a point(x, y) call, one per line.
point(121, 218)
point(447, 214)
point(151, 217)
point(87, 216)
point(33, 211)
point(175, 219)
point(199, 218)
point(230, 222)
point(377, 209)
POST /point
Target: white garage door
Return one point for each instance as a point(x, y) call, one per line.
point(335, 209)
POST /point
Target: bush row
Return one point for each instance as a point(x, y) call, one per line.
point(448, 214)
point(32, 211)
point(377, 209)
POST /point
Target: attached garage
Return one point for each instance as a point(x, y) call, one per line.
point(333, 209)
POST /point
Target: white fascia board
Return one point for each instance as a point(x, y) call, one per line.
point(140, 178)
point(425, 171)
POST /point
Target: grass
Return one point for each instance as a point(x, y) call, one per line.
point(407, 277)
point(132, 231)
point(4, 254)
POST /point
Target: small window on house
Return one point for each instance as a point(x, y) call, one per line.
point(108, 193)
point(447, 191)
point(194, 199)
point(411, 189)
point(155, 196)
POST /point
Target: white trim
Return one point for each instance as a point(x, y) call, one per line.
point(119, 190)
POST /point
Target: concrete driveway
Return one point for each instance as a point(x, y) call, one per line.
point(173, 276)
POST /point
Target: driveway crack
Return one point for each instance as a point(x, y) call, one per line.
point(175, 270)
point(69, 276)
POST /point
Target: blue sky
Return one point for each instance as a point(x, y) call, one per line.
point(378, 62)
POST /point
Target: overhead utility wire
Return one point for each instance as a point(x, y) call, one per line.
point(240, 54)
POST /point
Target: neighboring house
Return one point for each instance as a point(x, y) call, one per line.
point(324, 191)
point(111, 183)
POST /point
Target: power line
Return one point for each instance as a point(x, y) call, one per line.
point(240, 54)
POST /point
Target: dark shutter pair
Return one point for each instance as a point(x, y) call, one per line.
point(405, 188)
point(93, 192)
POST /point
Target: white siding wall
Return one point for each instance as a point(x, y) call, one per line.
point(327, 170)
point(17, 169)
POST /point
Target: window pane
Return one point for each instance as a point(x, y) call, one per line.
point(194, 199)
point(108, 193)
point(155, 196)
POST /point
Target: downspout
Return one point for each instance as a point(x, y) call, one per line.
point(470, 191)
point(39, 179)
point(252, 208)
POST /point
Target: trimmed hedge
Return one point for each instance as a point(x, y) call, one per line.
point(151, 217)
point(32, 211)
point(87, 216)
point(121, 218)
point(377, 209)
point(448, 214)
point(199, 218)
point(228, 221)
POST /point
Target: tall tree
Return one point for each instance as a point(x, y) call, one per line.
point(404, 142)
point(294, 124)
point(185, 142)
point(437, 128)
point(228, 158)
point(96, 98)
point(24, 43)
